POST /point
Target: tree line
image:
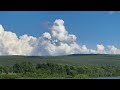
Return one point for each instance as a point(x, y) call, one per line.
point(52, 70)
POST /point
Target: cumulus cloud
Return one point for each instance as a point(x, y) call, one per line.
point(100, 49)
point(113, 50)
point(11, 44)
point(1, 29)
point(56, 42)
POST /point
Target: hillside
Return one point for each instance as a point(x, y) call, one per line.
point(77, 59)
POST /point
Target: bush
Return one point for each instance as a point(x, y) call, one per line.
point(9, 76)
point(81, 76)
point(6, 69)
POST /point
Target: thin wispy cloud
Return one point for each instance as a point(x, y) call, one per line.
point(46, 24)
point(111, 12)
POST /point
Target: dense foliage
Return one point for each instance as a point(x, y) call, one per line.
point(51, 70)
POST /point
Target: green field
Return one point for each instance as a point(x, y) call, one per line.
point(70, 59)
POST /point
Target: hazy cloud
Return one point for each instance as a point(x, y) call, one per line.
point(111, 12)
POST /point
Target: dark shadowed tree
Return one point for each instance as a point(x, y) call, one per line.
point(23, 67)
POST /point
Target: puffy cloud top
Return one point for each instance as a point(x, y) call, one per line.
point(100, 49)
point(1, 28)
point(57, 42)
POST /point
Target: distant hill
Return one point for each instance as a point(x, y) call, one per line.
point(77, 59)
point(85, 54)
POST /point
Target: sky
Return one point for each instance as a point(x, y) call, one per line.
point(90, 27)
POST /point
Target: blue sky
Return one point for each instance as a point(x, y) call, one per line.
point(90, 27)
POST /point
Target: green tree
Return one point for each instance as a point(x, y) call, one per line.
point(23, 67)
point(17, 68)
point(27, 66)
point(1, 69)
point(6, 69)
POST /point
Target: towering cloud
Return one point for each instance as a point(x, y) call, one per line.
point(100, 49)
point(57, 42)
point(11, 44)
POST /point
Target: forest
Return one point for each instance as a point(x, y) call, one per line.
point(26, 70)
point(63, 67)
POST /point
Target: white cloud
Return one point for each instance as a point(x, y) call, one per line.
point(57, 42)
point(11, 44)
point(100, 49)
point(47, 36)
point(1, 29)
point(113, 50)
